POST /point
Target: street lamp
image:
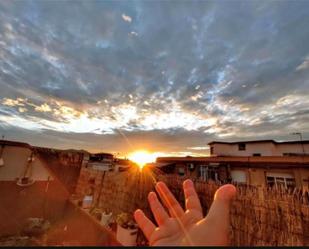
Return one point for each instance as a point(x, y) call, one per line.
point(301, 139)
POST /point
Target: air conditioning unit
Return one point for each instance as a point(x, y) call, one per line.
point(191, 166)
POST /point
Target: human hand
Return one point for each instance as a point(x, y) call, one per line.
point(187, 228)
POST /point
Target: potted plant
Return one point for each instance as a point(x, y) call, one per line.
point(126, 229)
point(106, 218)
point(96, 213)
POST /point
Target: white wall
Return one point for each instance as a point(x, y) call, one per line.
point(100, 166)
point(292, 148)
point(265, 149)
point(239, 176)
point(15, 160)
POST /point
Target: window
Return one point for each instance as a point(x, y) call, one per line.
point(242, 146)
point(288, 154)
point(280, 180)
point(256, 154)
point(208, 173)
point(290, 183)
point(270, 181)
point(191, 166)
point(306, 183)
point(181, 171)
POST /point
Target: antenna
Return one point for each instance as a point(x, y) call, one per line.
point(301, 140)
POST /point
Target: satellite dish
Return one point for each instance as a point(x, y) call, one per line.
point(1, 162)
point(26, 178)
point(25, 182)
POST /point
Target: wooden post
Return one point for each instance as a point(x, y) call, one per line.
point(100, 190)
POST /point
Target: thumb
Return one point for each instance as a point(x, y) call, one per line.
point(219, 213)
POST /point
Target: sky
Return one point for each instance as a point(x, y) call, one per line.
point(164, 76)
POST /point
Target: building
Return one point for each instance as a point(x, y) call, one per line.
point(121, 164)
point(92, 174)
point(30, 189)
point(101, 162)
point(26, 188)
point(268, 171)
point(259, 148)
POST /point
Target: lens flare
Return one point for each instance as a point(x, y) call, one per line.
point(142, 157)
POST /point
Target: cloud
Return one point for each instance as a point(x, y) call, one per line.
point(13, 102)
point(43, 108)
point(199, 148)
point(304, 65)
point(126, 18)
point(208, 69)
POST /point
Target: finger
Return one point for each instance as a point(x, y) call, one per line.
point(157, 209)
point(144, 223)
point(169, 200)
point(192, 199)
point(222, 200)
point(218, 216)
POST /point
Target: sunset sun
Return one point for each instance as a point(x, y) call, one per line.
point(142, 157)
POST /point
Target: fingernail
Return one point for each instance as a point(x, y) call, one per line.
point(138, 213)
point(160, 186)
point(225, 192)
point(152, 196)
point(188, 183)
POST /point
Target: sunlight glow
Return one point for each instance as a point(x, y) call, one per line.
point(142, 157)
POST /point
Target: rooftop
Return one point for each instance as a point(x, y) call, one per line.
point(261, 141)
point(15, 143)
point(297, 160)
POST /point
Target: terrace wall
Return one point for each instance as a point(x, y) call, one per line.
point(42, 199)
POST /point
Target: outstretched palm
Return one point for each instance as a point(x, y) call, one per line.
point(188, 227)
